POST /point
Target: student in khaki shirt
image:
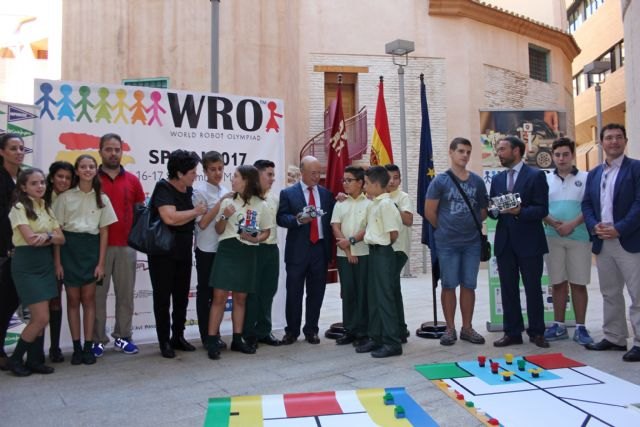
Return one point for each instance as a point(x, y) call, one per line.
point(402, 246)
point(234, 269)
point(348, 223)
point(84, 213)
point(383, 225)
point(257, 323)
point(34, 231)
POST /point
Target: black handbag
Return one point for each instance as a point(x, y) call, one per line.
point(485, 246)
point(149, 234)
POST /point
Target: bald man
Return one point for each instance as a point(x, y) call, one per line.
point(307, 250)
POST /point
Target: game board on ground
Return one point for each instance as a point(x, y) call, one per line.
point(540, 390)
point(387, 407)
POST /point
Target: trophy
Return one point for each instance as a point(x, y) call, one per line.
point(504, 201)
point(249, 224)
point(310, 212)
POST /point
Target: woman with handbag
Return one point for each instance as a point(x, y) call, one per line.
point(456, 202)
point(170, 272)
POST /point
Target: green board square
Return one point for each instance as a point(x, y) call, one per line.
point(438, 371)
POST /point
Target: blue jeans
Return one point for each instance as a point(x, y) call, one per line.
point(459, 266)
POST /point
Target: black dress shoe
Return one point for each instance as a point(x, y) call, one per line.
point(507, 340)
point(76, 357)
point(179, 343)
point(312, 338)
point(252, 341)
point(345, 339)
point(369, 345)
point(40, 369)
point(221, 345)
point(167, 351)
point(55, 355)
point(242, 347)
point(288, 339)
point(3, 361)
point(213, 353)
point(632, 355)
point(270, 340)
point(360, 341)
point(386, 351)
point(540, 341)
point(18, 368)
point(605, 344)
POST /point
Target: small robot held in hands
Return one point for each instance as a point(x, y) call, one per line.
point(310, 212)
point(503, 202)
point(249, 225)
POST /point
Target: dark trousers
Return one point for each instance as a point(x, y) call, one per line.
point(383, 307)
point(314, 271)
point(353, 290)
point(170, 280)
point(510, 268)
point(257, 319)
point(204, 294)
point(8, 299)
point(401, 260)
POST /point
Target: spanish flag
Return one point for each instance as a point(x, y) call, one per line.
point(381, 153)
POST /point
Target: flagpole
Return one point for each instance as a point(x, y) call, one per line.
point(429, 330)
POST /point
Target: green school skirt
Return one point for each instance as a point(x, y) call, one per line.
point(234, 268)
point(79, 256)
point(34, 274)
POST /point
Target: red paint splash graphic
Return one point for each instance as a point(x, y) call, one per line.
point(83, 141)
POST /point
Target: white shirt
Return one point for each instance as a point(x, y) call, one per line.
point(607, 185)
point(207, 239)
point(316, 197)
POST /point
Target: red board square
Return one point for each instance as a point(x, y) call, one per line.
point(311, 404)
point(553, 361)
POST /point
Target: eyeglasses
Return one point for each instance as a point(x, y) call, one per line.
point(614, 138)
point(348, 180)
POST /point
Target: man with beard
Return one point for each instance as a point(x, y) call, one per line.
point(520, 243)
point(124, 191)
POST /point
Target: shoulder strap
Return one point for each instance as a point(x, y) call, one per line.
point(466, 199)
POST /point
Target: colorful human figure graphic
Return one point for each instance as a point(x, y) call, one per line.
point(45, 100)
point(273, 123)
point(155, 97)
point(84, 103)
point(120, 105)
point(138, 109)
point(103, 106)
point(65, 104)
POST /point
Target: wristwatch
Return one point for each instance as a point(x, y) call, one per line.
point(223, 217)
point(49, 236)
point(352, 240)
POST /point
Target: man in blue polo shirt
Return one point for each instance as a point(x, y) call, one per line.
point(569, 257)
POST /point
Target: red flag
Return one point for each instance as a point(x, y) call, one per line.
point(338, 149)
point(381, 153)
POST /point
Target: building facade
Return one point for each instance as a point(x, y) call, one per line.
point(475, 57)
point(598, 30)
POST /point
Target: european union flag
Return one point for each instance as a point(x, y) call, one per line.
point(426, 172)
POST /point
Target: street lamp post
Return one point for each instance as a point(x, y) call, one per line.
point(592, 69)
point(215, 45)
point(400, 50)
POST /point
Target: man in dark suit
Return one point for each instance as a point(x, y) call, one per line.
point(611, 209)
point(307, 250)
point(520, 243)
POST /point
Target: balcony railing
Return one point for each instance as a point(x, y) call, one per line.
point(356, 131)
